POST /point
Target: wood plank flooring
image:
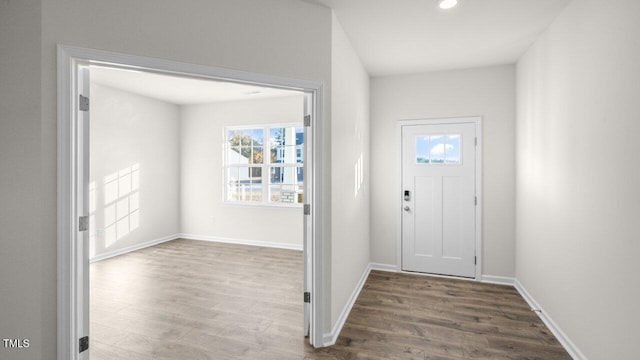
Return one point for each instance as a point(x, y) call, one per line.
point(198, 300)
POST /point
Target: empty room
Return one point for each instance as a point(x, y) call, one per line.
point(319, 179)
point(195, 235)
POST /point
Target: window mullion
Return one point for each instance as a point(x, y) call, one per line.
point(266, 162)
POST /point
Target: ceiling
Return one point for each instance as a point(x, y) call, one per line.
point(411, 36)
point(180, 90)
point(390, 36)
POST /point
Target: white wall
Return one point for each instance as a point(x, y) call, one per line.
point(204, 213)
point(350, 162)
point(577, 176)
point(488, 92)
point(127, 130)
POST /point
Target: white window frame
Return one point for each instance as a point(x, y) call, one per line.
point(444, 163)
point(265, 166)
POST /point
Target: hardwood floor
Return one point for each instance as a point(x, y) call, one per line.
point(423, 317)
point(198, 300)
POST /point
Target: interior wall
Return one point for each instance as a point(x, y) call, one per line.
point(577, 176)
point(288, 38)
point(135, 149)
point(204, 213)
point(350, 161)
point(487, 92)
point(27, 268)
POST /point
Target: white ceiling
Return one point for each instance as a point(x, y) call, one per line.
point(411, 36)
point(390, 36)
point(180, 90)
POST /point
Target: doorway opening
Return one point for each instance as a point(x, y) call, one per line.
point(274, 164)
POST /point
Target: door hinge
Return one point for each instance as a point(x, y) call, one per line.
point(475, 260)
point(83, 223)
point(84, 343)
point(307, 120)
point(307, 209)
point(83, 103)
point(476, 141)
point(475, 201)
point(307, 297)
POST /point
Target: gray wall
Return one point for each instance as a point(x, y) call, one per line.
point(259, 36)
point(27, 249)
point(577, 176)
point(488, 92)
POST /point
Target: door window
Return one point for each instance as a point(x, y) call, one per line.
point(438, 149)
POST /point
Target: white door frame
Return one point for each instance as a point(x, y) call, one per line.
point(477, 120)
point(70, 312)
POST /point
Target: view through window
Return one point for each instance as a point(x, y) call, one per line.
point(264, 165)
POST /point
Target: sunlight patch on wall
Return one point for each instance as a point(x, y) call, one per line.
point(358, 174)
point(92, 219)
point(122, 203)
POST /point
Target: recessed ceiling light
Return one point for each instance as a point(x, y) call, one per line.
point(447, 4)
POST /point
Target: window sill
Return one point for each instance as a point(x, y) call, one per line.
point(260, 205)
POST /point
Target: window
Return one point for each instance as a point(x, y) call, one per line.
point(438, 149)
point(264, 165)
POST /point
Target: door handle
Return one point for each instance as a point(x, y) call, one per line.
point(407, 208)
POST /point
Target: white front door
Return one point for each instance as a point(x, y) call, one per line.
point(439, 198)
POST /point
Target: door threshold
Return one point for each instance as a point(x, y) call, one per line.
point(443, 276)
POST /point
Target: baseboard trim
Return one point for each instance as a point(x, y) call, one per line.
point(241, 241)
point(146, 244)
point(564, 340)
point(331, 338)
point(489, 279)
point(499, 280)
point(383, 267)
point(161, 240)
